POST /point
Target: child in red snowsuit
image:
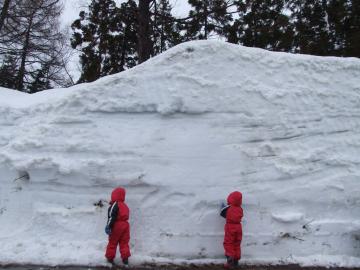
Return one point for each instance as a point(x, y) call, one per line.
point(233, 229)
point(118, 227)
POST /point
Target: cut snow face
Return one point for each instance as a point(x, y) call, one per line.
point(179, 133)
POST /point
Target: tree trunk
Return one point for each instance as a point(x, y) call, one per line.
point(123, 48)
point(24, 54)
point(144, 41)
point(4, 12)
point(162, 42)
point(155, 25)
point(205, 19)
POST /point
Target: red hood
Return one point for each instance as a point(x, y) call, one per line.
point(235, 198)
point(118, 195)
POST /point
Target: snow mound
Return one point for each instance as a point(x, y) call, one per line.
point(180, 132)
point(288, 217)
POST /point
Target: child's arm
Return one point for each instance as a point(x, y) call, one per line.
point(112, 214)
point(223, 210)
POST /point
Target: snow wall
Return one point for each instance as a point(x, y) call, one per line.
point(180, 132)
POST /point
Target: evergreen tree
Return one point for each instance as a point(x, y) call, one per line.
point(337, 12)
point(311, 27)
point(208, 18)
point(8, 71)
point(262, 24)
point(92, 34)
point(158, 30)
point(127, 41)
point(165, 29)
point(106, 36)
point(123, 44)
point(352, 28)
point(343, 20)
point(41, 80)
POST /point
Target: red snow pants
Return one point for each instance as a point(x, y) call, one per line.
point(232, 240)
point(120, 235)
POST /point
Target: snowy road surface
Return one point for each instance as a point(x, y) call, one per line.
point(190, 267)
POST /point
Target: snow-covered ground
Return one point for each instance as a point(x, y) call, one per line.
point(179, 133)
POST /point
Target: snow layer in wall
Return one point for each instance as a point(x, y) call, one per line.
point(180, 132)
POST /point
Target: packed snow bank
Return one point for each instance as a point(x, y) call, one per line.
point(180, 132)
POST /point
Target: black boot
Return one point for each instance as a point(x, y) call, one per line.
point(229, 263)
point(126, 262)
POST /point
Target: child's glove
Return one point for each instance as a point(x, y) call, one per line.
point(107, 230)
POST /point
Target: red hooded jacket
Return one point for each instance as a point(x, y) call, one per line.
point(118, 211)
point(235, 212)
point(233, 229)
point(118, 215)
